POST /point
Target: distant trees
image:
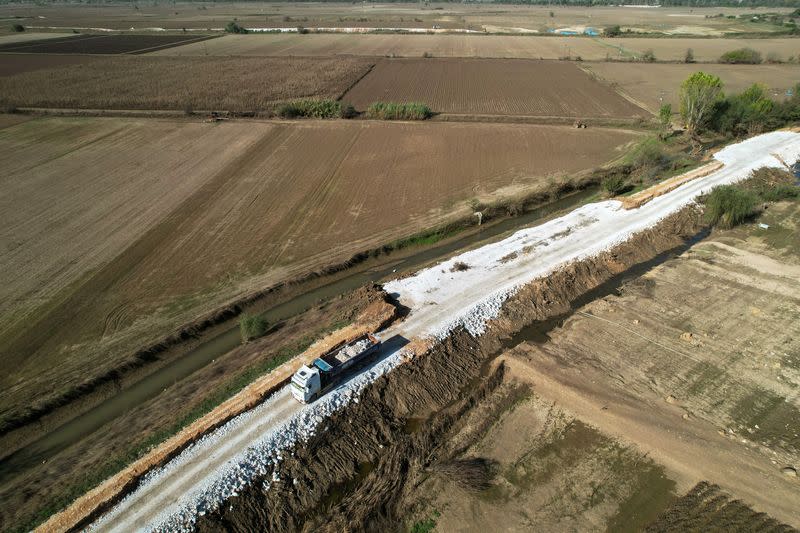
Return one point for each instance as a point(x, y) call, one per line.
point(18, 28)
point(613, 31)
point(689, 57)
point(235, 27)
point(698, 95)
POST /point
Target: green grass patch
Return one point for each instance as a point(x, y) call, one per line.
point(313, 108)
point(252, 326)
point(427, 525)
point(728, 206)
point(399, 111)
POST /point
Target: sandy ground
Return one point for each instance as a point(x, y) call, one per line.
point(502, 87)
point(441, 298)
point(681, 375)
point(654, 84)
point(211, 190)
point(552, 472)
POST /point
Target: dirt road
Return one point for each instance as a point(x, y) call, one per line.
point(467, 290)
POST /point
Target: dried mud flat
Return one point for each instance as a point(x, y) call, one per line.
point(212, 218)
point(654, 84)
point(494, 87)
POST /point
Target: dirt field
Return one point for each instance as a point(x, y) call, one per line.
point(525, 47)
point(496, 18)
point(215, 190)
point(11, 64)
point(652, 85)
point(552, 473)
point(706, 346)
point(494, 87)
point(241, 84)
point(101, 44)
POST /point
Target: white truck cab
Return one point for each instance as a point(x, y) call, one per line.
point(306, 383)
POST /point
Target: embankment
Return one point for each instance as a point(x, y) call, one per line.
point(353, 474)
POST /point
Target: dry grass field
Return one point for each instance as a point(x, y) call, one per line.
point(182, 216)
point(652, 84)
point(491, 17)
point(491, 86)
point(705, 50)
point(381, 45)
point(241, 84)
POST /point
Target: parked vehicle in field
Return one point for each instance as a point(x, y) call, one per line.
point(311, 382)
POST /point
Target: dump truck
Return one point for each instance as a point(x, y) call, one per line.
point(312, 381)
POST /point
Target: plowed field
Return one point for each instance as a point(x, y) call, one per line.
point(497, 87)
point(100, 44)
point(115, 231)
point(143, 82)
point(528, 47)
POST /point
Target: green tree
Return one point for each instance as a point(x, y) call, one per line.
point(234, 27)
point(613, 31)
point(665, 115)
point(699, 93)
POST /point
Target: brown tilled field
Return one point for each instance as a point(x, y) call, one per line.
point(493, 87)
point(653, 84)
point(101, 44)
point(11, 64)
point(186, 215)
point(377, 45)
point(232, 84)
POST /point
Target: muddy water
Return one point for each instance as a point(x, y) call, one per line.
point(150, 386)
